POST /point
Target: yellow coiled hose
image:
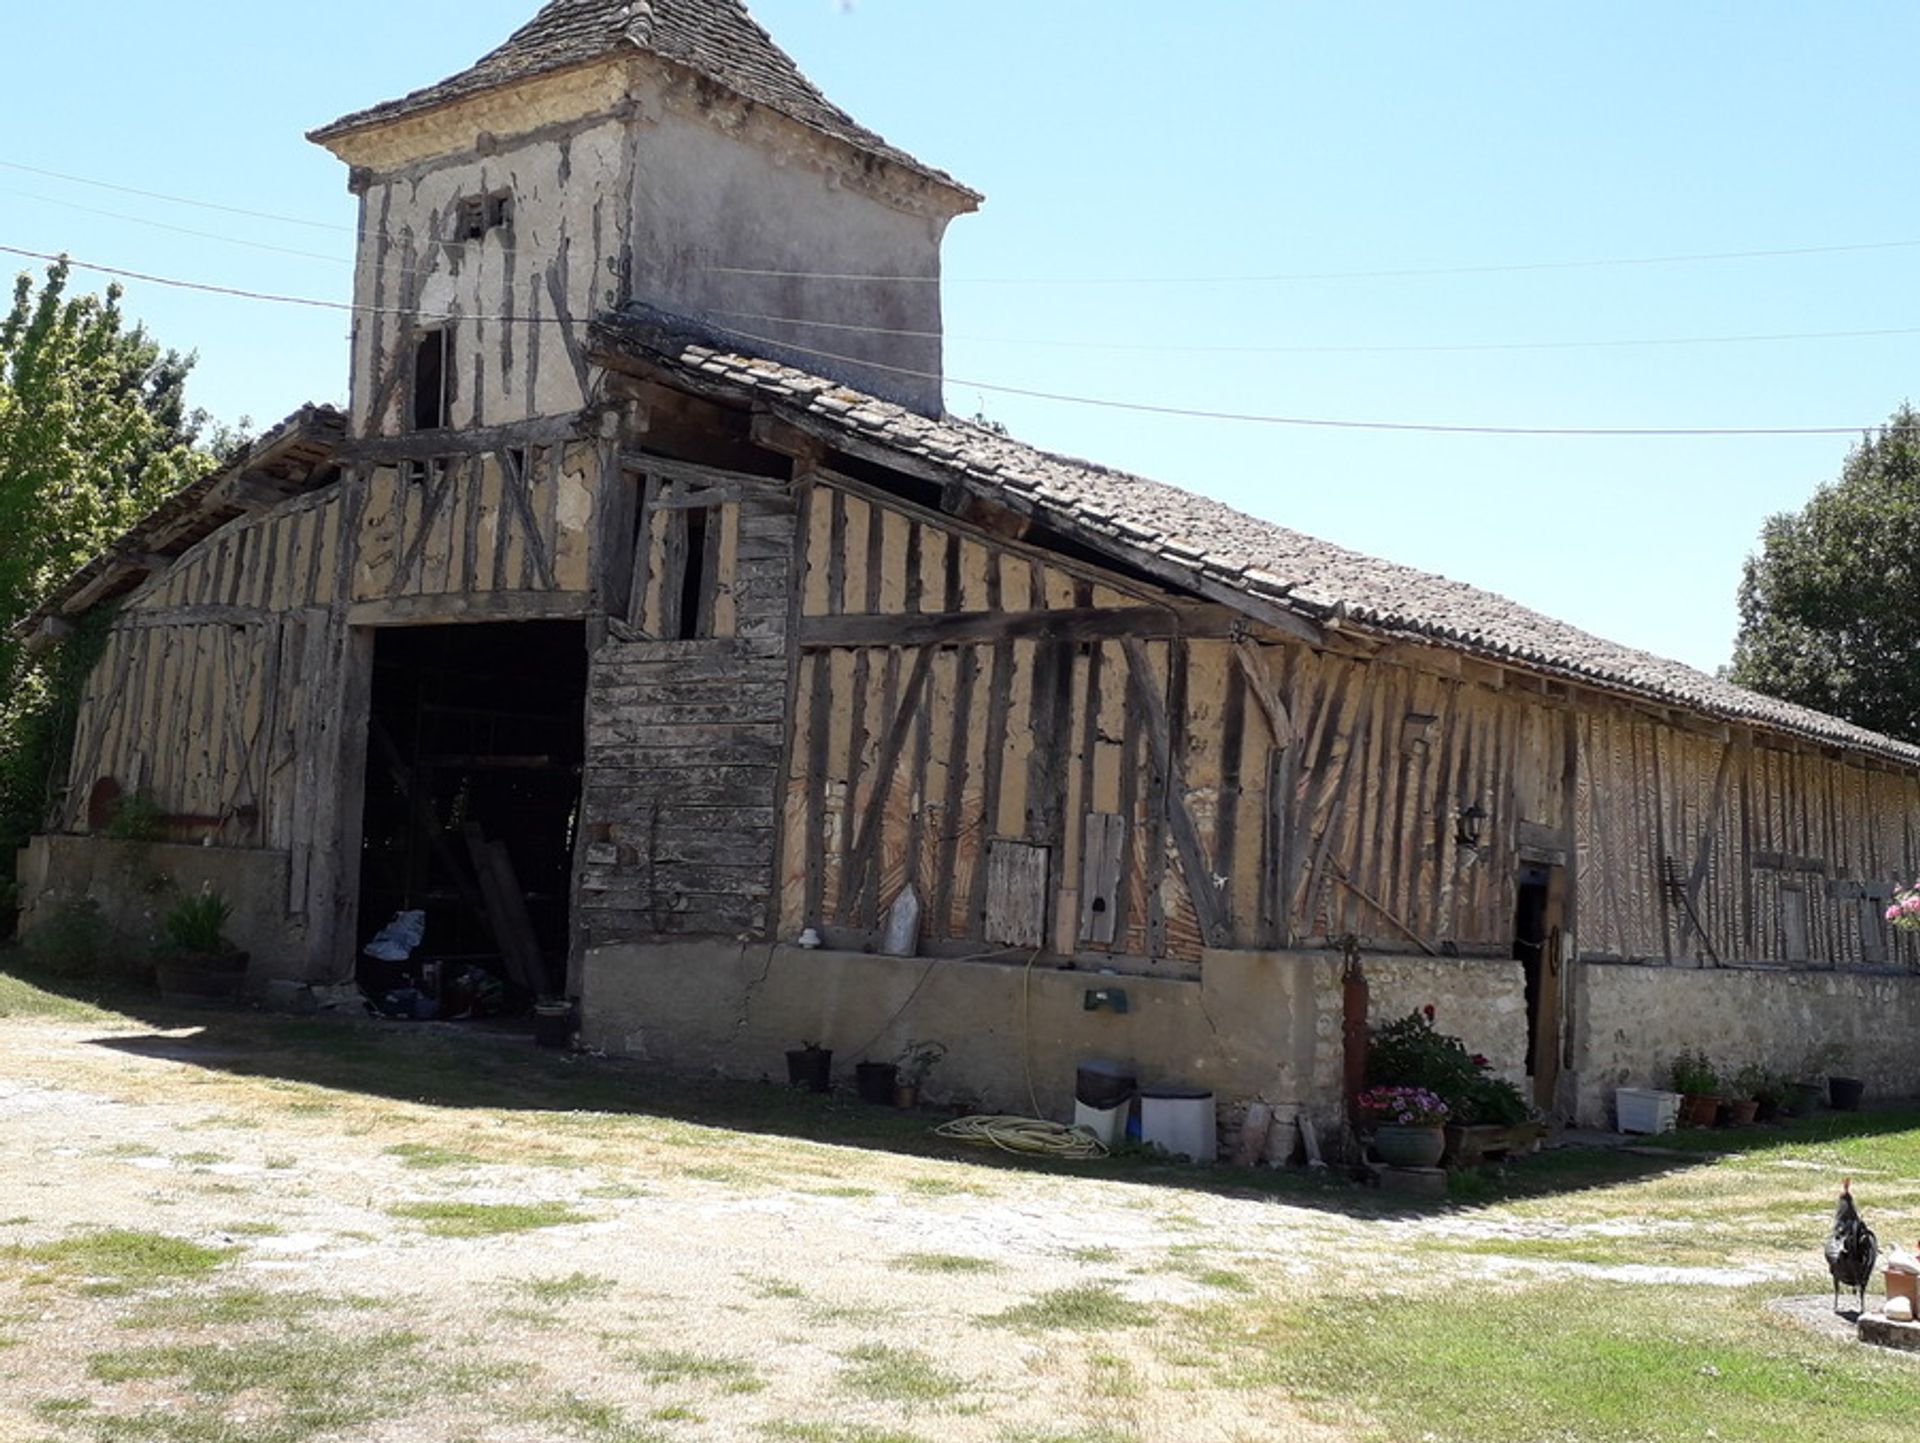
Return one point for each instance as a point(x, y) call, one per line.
point(1029, 1136)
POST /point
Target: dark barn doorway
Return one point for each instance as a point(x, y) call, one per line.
point(1536, 946)
point(474, 750)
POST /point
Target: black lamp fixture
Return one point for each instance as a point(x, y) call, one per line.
point(1466, 827)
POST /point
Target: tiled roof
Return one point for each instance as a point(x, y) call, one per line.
point(287, 460)
point(717, 39)
point(1225, 550)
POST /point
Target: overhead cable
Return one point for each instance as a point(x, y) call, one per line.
point(1389, 273)
point(782, 347)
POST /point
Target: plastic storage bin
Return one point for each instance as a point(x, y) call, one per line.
point(1181, 1120)
point(1643, 1109)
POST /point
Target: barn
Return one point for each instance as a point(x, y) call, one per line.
point(647, 623)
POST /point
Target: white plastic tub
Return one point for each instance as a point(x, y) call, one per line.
point(1642, 1109)
point(1181, 1121)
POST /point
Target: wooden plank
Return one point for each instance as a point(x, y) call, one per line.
point(470, 441)
point(1016, 895)
point(1153, 710)
point(1104, 846)
point(506, 908)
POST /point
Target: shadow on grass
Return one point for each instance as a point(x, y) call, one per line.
point(455, 1065)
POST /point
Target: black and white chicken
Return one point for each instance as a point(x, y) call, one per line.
point(1852, 1249)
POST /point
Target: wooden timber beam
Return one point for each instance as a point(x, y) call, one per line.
point(51, 630)
point(1254, 667)
point(1152, 709)
point(860, 861)
point(476, 441)
point(1070, 623)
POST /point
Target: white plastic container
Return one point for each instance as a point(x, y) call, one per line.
point(1642, 1109)
point(1181, 1121)
point(1106, 1123)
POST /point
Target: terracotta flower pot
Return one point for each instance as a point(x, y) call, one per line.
point(1742, 1113)
point(1699, 1109)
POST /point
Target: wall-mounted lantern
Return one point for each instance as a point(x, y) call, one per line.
point(1467, 826)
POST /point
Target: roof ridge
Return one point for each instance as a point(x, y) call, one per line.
point(719, 40)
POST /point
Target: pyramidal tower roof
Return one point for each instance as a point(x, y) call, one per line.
point(716, 39)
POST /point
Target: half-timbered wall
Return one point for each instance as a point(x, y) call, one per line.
point(1061, 759)
point(222, 690)
point(1771, 852)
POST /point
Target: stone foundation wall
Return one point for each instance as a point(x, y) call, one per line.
point(1255, 1025)
point(135, 884)
point(1629, 1021)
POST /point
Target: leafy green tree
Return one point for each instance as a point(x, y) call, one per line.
point(94, 430)
point(1828, 613)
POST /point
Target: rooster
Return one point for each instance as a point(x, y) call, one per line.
point(1852, 1249)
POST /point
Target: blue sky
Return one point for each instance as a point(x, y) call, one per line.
point(1122, 141)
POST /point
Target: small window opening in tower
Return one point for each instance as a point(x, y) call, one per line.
point(430, 353)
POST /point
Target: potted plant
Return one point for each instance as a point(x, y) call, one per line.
point(1767, 1089)
point(1699, 1088)
point(1811, 1086)
point(195, 963)
point(1409, 1125)
point(875, 1082)
point(552, 1022)
point(1487, 1116)
point(810, 1066)
point(1743, 1100)
point(917, 1059)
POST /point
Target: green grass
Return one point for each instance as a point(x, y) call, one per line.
point(1085, 1307)
point(574, 1287)
point(482, 1220)
point(1603, 1363)
point(425, 1155)
point(792, 1432)
point(124, 1259)
point(898, 1375)
point(237, 1307)
point(675, 1365)
point(589, 1418)
point(277, 1390)
point(944, 1263)
point(20, 997)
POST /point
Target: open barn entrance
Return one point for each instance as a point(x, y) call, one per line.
point(1536, 946)
point(474, 748)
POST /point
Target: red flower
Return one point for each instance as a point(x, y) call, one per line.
point(1428, 1009)
point(1479, 1060)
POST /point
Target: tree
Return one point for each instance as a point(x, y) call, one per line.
point(1828, 614)
point(94, 430)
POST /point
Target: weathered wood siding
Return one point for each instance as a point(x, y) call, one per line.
point(1743, 820)
point(220, 692)
point(684, 736)
point(1206, 791)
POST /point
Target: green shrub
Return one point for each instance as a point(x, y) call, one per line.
point(1692, 1073)
point(1413, 1053)
point(198, 925)
point(75, 941)
point(136, 818)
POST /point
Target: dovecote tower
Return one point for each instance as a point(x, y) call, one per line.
point(664, 153)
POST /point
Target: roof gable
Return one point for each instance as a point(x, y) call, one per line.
point(718, 40)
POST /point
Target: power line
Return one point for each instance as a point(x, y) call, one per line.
point(173, 199)
point(177, 229)
point(1440, 348)
point(1103, 403)
point(1396, 273)
point(1393, 273)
